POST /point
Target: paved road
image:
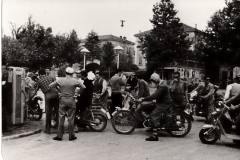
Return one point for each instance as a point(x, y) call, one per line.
point(111, 146)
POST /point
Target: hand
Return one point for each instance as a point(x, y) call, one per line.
point(232, 107)
point(140, 99)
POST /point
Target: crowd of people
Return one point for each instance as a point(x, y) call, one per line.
point(67, 94)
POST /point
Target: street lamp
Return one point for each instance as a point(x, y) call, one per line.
point(84, 51)
point(118, 49)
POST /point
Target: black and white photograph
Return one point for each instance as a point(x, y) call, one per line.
point(120, 80)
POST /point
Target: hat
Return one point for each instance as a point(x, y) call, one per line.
point(91, 76)
point(155, 77)
point(69, 70)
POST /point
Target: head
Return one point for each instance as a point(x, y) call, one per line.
point(78, 74)
point(119, 72)
point(238, 78)
point(207, 80)
point(69, 71)
point(97, 74)
point(42, 72)
point(154, 80)
point(176, 76)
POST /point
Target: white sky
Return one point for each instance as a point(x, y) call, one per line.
point(102, 16)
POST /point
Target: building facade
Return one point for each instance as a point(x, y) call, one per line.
point(190, 69)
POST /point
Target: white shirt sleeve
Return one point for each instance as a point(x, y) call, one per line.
point(227, 93)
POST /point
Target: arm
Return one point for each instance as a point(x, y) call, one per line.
point(53, 84)
point(157, 93)
point(104, 87)
point(211, 92)
point(227, 93)
point(80, 84)
point(232, 99)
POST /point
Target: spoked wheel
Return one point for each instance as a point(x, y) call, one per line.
point(98, 123)
point(123, 122)
point(35, 113)
point(208, 135)
point(184, 126)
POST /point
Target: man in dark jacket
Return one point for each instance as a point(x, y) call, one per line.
point(163, 104)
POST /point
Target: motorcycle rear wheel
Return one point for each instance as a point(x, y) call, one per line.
point(123, 122)
point(99, 123)
point(184, 128)
point(210, 138)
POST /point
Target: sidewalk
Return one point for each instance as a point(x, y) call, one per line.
point(26, 129)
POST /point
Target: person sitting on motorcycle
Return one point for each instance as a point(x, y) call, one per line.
point(205, 91)
point(234, 102)
point(163, 104)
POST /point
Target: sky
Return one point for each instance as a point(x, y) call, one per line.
point(101, 16)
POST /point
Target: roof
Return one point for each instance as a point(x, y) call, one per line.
point(114, 38)
point(185, 27)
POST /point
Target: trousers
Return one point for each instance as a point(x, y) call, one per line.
point(67, 108)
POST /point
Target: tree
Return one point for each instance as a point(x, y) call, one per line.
point(37, 42)
point(71, 52)
point(108, 56)
point(92, 44)
point(167, 41)
point(222, 39)
point(13, 52)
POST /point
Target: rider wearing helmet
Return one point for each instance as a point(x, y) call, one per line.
point(163, 104)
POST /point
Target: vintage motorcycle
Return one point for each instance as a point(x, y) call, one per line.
point(221, 123)
point(34, 110)
point(95, 117)
point(124, 120)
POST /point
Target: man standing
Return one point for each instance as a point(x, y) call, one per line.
point(178, 91)
point(67, 104)
point(116, 83)
point(206, 92)
point(51, 98)
point(100, 87)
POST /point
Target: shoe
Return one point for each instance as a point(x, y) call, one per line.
point(152, 138)
point(57, 138)
point(72, 138)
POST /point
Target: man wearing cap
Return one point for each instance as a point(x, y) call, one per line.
point(163, 104)
point(67, 104)
point(205, 91)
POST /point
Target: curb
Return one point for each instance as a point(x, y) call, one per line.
point(22, 134)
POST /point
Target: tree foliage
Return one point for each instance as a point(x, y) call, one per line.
point(167, 41)
point(223, 35)
point(35, 47)
point(92, 44)
point(108, 56)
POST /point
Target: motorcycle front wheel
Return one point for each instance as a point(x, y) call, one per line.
point(98, 123)
point(123, 122)
point(208, 135)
